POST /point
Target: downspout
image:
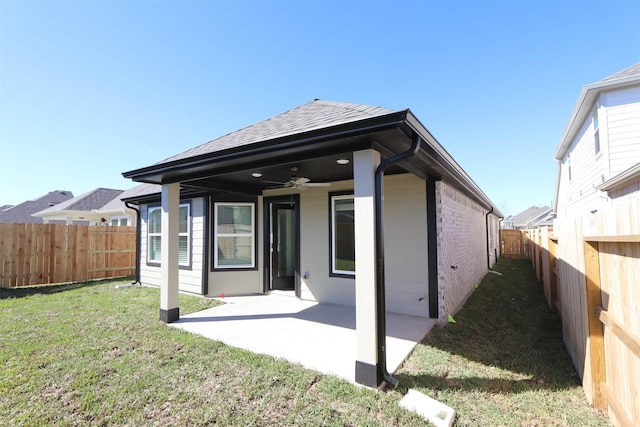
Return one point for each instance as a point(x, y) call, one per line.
point(138, 226)
point(381, 321)
point(486, 221)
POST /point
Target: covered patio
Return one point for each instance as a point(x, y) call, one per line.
point(317, 336)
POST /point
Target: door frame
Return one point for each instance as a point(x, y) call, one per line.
point(267, 205)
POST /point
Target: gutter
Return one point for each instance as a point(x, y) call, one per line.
point(381, 321)
point(138, 239)
point(170, 171)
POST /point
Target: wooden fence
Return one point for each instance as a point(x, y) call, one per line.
point(35, 254)
point(515, 244)
point(589, 268)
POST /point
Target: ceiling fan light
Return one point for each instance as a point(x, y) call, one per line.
point(342, 161)
point(256, 175)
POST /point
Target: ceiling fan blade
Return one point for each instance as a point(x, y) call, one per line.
point(317, 184)
point(275, 182)
point(299, 181)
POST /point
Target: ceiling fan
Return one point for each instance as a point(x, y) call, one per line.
point(298, 182)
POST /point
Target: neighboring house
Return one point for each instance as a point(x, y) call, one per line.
point(88, 209)
point(23, 212)
point(597, 225)
point(533, 217)
point(296, 202)
point(601, 141)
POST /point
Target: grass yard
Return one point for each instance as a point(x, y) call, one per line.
point(91, 354)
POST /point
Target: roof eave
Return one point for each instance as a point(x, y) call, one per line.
point(155, 174)
point(584, 104)
point(627, 177)
point(462, 179)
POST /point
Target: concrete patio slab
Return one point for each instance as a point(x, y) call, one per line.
point(317, 336)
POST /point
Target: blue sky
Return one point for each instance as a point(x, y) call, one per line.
point(89, 89)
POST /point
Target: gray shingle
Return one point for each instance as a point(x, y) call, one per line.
point(632, 71)
point(313, 115)
point(22, 212)
point(92, 200)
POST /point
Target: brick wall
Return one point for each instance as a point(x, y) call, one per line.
point(462, 248)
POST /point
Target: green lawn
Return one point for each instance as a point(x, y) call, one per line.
point(91, 354)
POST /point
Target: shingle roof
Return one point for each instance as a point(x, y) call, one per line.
point(23, 211)
point(313, 115)
point(93, 200)
point(530, 214)
point(138, 190)
point(632, 71)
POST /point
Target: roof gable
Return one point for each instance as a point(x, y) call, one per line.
point(90, 201)
point(313, 115)
point(528, 215)
point(23, 211)
point(588, 96)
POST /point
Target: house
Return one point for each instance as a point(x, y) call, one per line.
point(599, 143)
point(23, 212)
point(597, 225)
point(89, 209)
point(529, 218)
point(335, 202)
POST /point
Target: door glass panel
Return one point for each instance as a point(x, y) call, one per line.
point(285, 242)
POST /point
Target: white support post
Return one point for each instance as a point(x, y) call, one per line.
point(365, 163)
point(169, 311)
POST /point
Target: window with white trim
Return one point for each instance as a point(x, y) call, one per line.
point(234, 235)
point(596, 131)
point(343, 253)
point(154, 234)
point(121, 221)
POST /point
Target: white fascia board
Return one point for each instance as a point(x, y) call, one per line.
point(588, 96)
point(622, 179)
point(64, 214)
point(554, 208)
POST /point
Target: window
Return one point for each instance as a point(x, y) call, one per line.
point(596, 130)
point(234, 235)
point(343, 253)
point(122, 221)
point(154, 232)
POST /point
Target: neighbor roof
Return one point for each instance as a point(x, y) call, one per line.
point(87, 202)
point(529, 215)
point(135, 194)
point(23, 211)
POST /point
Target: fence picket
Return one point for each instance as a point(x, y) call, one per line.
point(34, 254)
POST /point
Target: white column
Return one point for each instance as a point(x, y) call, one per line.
point(365, 163)
point(169, 311)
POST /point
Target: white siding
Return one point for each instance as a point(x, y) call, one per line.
point(587, 171)
point(623, 117)
point(190, 277)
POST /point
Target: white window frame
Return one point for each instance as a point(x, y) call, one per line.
point(217, 235)
point(119, 220)
point(334, 270)
point(183, 234)
point(596, 131)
